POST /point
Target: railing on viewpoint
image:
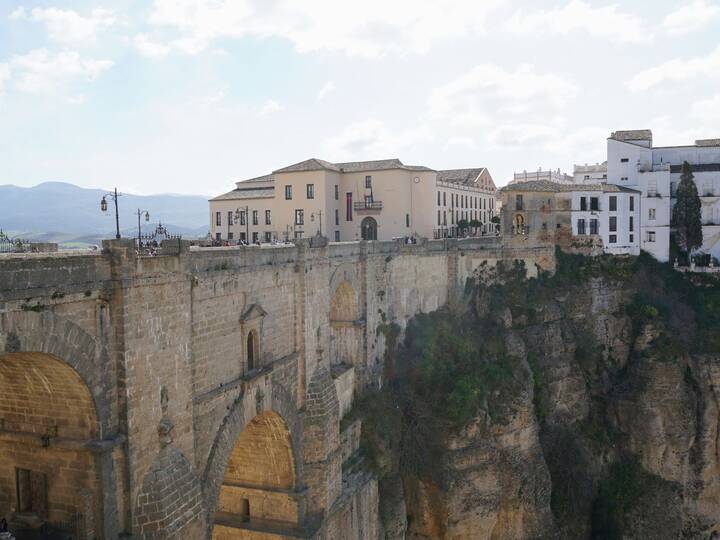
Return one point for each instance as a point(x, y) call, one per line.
point(13, 245)
point(367, 205)
point(150, 243)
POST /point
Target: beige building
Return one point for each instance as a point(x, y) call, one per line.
point(371, 200)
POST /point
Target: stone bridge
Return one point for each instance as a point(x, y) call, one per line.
point(198, 394)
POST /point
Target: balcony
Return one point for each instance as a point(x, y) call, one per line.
point(368, 206)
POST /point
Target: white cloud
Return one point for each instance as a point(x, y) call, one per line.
point(677, 70)
point(690, 17)
point(150, 48)
point(67, 26)
point(327, 88)
point(460, 142)
point(270, 107)
point(579, 16)
point(371, 28)
point(43, 72)
point(371, 139)
point(707, 110)
point(4, 75)
point(475, 97)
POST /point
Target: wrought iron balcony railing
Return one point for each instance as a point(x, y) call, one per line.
point(367, 205)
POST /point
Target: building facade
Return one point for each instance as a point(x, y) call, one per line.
point(369, 200)
point(633, 161)
point(590, 174)
point(540, 175)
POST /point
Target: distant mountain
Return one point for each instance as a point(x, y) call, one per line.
point(62, 212)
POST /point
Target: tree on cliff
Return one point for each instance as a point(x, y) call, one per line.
point(686, 222)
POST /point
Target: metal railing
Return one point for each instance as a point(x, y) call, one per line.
point(148, 244)
point(13, 245)
point(368, 205)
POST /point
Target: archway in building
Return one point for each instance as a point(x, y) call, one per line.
point(47, 474)
point(258, 487)
point(368, 228)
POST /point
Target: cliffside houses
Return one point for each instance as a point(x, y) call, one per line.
point(370, 200)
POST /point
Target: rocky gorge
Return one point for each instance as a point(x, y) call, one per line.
point(585, 404)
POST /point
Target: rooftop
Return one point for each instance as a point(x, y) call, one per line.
point(460, 176)
point(555, 187)
point(632, 135)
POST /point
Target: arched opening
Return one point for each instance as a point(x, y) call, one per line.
point(368, 228)
point(258, 487)
point(519, 224)
point(47, 473)
point(252, 350)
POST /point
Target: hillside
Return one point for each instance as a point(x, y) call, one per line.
point(62, 212)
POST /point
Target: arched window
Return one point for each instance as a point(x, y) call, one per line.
point(368, 228)
point(251, 351)
point(519, 224)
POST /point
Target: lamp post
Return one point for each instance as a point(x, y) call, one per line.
point(247, 222)
point(147, 218)
point(312, 218)
point(103, 207)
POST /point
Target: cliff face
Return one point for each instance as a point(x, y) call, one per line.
point(606, 425)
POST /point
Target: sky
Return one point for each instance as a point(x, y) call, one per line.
point(190, 96)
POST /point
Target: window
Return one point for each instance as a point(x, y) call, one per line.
point(243, 237)
point(218, 236)
point(268, 236)
point(299, 217)
point(652, 188)
point(613, 203)
point(593, 226)
point(613, 223)
point(255, 238)
point(348, 206)
point(255, 217)
point(242, 217)
point(587, 177)
point(230, 236)
point(438, 198)
point(298, 234)
point(407, 220)
point(612, 239)
point(310, 191)
point(444, 217)
point(624, 160)
point(518, 202)
point(583, 203)
point(632, 238)
point(337, 236)
point(288, 193)
point(368, 182)
point(631, 225)
point(218, 218)
point(594, 203)
point(650, 236)
point(337, 217)
point(267, 217)
point(337, 192)
point(632, 203)
point(623, 178)
point(230, 218)
point(581, 226)
point(444, 199)
point(439, 220)
point(651, 213)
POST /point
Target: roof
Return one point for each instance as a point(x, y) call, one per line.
point(707, 142)
point(703, 167)
point(312, 164)
point(632, 135)
point(247, 193)
point(376, 165)
point(460, 176)
point(555, 187)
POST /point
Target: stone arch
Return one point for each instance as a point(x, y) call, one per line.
point(49, 421)
point(247, 407)
point(48, 333)
point(169, 504)
point(344, 304)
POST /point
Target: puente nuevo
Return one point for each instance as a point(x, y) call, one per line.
point(198, 393)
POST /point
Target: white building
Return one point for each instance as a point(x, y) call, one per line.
point(590, 174)
point(633, 161)
point(540, 175)
point(609, 211)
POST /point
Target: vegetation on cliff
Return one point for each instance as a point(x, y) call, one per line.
point(475, 361)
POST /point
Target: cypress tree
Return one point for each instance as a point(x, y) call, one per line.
point(686, 218)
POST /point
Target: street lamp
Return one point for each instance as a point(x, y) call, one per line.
point(312, 218)
point(247, 222)
point(104, 206)
point(140, 213)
